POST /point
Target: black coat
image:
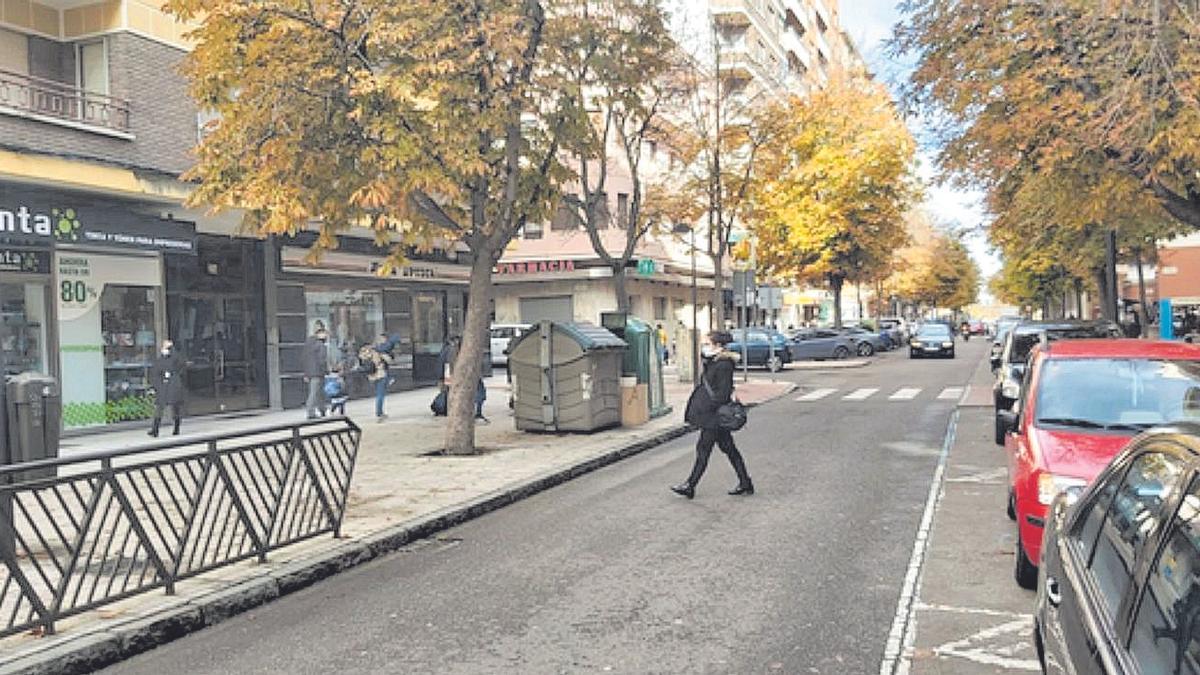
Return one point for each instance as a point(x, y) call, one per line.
point(701, 408)
point(316, 358)
point(166, 376)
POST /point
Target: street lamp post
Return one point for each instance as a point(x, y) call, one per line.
point(680, 228)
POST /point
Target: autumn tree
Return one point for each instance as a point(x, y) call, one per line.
point(831, 202)
point(1035, 87)
point(616, 69)
point(414, 119)
point(721, 127)
point(951, 278)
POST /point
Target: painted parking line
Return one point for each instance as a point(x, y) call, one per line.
point(905, 394)
point(950, 393)
point(816, 395)
point(860, 394)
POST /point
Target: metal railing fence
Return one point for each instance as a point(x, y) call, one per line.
point(114, 524)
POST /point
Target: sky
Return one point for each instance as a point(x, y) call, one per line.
point(870, 23)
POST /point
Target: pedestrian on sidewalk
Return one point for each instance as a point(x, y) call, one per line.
point(446, 360)
point(375, 361)
point(661, 333)
point(166, 377)
point(713, 389)
point(316, 366)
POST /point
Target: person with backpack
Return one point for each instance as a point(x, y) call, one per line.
point(335, 391)
point(712, 409)
point(373, 362)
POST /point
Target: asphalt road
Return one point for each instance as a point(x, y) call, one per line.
point(613, 573)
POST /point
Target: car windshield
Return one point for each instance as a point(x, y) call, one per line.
point(1121, 394)
point(934, 331)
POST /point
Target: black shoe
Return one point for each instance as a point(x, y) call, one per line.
point(684, 490)
point(746, 488)
point(152, 432)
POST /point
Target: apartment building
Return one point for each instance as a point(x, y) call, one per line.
point(100, 261)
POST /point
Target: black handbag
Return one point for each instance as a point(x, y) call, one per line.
point(731, 416)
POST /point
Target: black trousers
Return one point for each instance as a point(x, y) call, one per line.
point(176, 416)
point(704, 446)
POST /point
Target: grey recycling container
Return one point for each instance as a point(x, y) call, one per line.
point(34, 411)
point(566, 377)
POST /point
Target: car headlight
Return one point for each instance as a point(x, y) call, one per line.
point(1011, 389)
point(915, 343)
point(1050, 486)
point(947, 344)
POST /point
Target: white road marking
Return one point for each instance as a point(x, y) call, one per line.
point(950, 393)
point(816, 395)
point(934, 607)
point(1003, 656)
point(991, 476)
point(905, 394)
point(861, 394)
point(897, 654)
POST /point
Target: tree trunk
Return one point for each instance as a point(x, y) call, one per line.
point(717, 316)
point(460, 419)
point(1144, 310)
point(1080, 314)
point(1105, 292)
point(618, 272)
point(835, 284)
point(858, 299)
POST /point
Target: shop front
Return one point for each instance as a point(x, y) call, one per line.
point(82, 296)
point(417, 307)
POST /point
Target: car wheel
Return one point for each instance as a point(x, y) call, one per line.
point(841, 353)
point(1000, 431)
point(1025, 572)
point(775, 364)
point(912, 353)
point(1012, 505)
point(865, 349)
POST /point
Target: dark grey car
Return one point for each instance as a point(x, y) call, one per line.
point(1119, 580)
point(819, 344)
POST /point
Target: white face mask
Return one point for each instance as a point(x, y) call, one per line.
point(709, 351)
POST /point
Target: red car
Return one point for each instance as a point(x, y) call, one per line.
point(1081, 402)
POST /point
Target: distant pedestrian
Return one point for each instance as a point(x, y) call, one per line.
point(374, 360)
point(335, 391)
point(166, 377)
point(446, 361)
point(316, 366)
point(714, 389)
point(662, 342)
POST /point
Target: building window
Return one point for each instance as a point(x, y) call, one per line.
point(429, 323)
point(532, 231)
point(564, 218)
point(92, 60)
point(622, 210)
point(603, 215)
point(353, 318)
point(660, 308)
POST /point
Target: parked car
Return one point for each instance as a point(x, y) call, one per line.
point(1003, 325)
point(501, 335)
point(1009, 366)
point(977, 327)
point(820, 344)
point(764, 347)
point(866, 342)
point(1119, 585)
point(896, 328)
point(932, 339)
point(1082, 402)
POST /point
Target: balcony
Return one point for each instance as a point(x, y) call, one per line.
point(63, 104)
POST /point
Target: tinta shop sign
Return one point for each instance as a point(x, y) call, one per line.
point(29, 222)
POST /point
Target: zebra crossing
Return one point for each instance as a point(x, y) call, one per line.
point(867, 393)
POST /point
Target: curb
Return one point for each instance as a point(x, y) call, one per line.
point(827, 365)
point(90, 651)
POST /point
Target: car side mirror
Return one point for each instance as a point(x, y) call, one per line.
point(1009, 420)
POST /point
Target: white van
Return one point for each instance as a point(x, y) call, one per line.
point(502, 334)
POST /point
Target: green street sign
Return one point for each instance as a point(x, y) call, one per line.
point(646, 267)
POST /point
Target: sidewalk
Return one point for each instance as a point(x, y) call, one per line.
point(399, 494)
point(968, 616)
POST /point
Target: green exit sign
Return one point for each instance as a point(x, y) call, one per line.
point(646, 267)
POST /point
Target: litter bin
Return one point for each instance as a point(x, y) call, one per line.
point(34, 411)
point(643, 359)
point(566, 377)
